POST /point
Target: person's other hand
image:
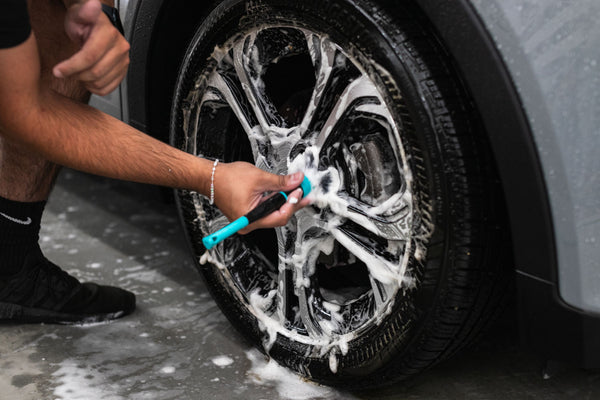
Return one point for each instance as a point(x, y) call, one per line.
point(103, 58)
point(239, 187)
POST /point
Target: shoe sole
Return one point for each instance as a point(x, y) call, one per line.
point(16, 313)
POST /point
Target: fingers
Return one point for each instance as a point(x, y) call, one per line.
point(108, 72)
point(87, 13)
point(281, 216)
point(101, 63)
point(80, 20)
point(295, 202)
point(239, 187)
point(285, 183)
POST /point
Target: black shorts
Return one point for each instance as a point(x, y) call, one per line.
point(14, 23)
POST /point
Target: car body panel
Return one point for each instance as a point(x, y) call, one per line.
point(552, 52)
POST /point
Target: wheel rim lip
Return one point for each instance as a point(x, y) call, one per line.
point(257, 311)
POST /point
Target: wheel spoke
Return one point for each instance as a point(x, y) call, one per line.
point(285, 291)
point(248, 69)
point(225, 88)
point(219, 90)
point(389, 220)
point(286, 314)
point(381, 292)
point(322, 53)
point(301, 248)
point(306, 300)
point(317, 316)
point(338, 86)
point(359, 92)
point(382, 257)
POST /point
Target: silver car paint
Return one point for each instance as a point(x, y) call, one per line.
point(552, 51)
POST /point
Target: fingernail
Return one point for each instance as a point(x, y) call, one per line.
point(297, 176)
point(293, 200)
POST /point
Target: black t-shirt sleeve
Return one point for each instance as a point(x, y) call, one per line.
point(14, 23)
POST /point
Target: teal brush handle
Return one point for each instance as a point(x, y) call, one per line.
point(215, 238)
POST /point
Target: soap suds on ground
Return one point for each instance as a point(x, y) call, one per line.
point(289, 386)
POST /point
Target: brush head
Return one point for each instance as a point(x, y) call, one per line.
point(305, 186)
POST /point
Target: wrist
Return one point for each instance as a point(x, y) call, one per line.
point(211, 198)
point(203, 175)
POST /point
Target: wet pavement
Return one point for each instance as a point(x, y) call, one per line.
point(177, 345)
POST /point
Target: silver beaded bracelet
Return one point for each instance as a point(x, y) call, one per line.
point(212, 182)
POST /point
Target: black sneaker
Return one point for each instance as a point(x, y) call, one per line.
point(42, 292)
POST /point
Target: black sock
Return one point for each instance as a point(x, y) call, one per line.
point(19, 232)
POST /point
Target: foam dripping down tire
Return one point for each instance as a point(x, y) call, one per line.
point(397, 264)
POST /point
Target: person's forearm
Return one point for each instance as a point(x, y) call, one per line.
point(78, 136)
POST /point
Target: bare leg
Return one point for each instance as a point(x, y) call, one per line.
point(25, 176)
point(32, 288)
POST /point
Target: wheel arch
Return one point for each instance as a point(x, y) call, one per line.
point(161, 32)
point(548, 325)
point(509, 134)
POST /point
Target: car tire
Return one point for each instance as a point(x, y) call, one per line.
point(401, 259)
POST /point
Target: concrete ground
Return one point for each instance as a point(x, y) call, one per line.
point(177, 345)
